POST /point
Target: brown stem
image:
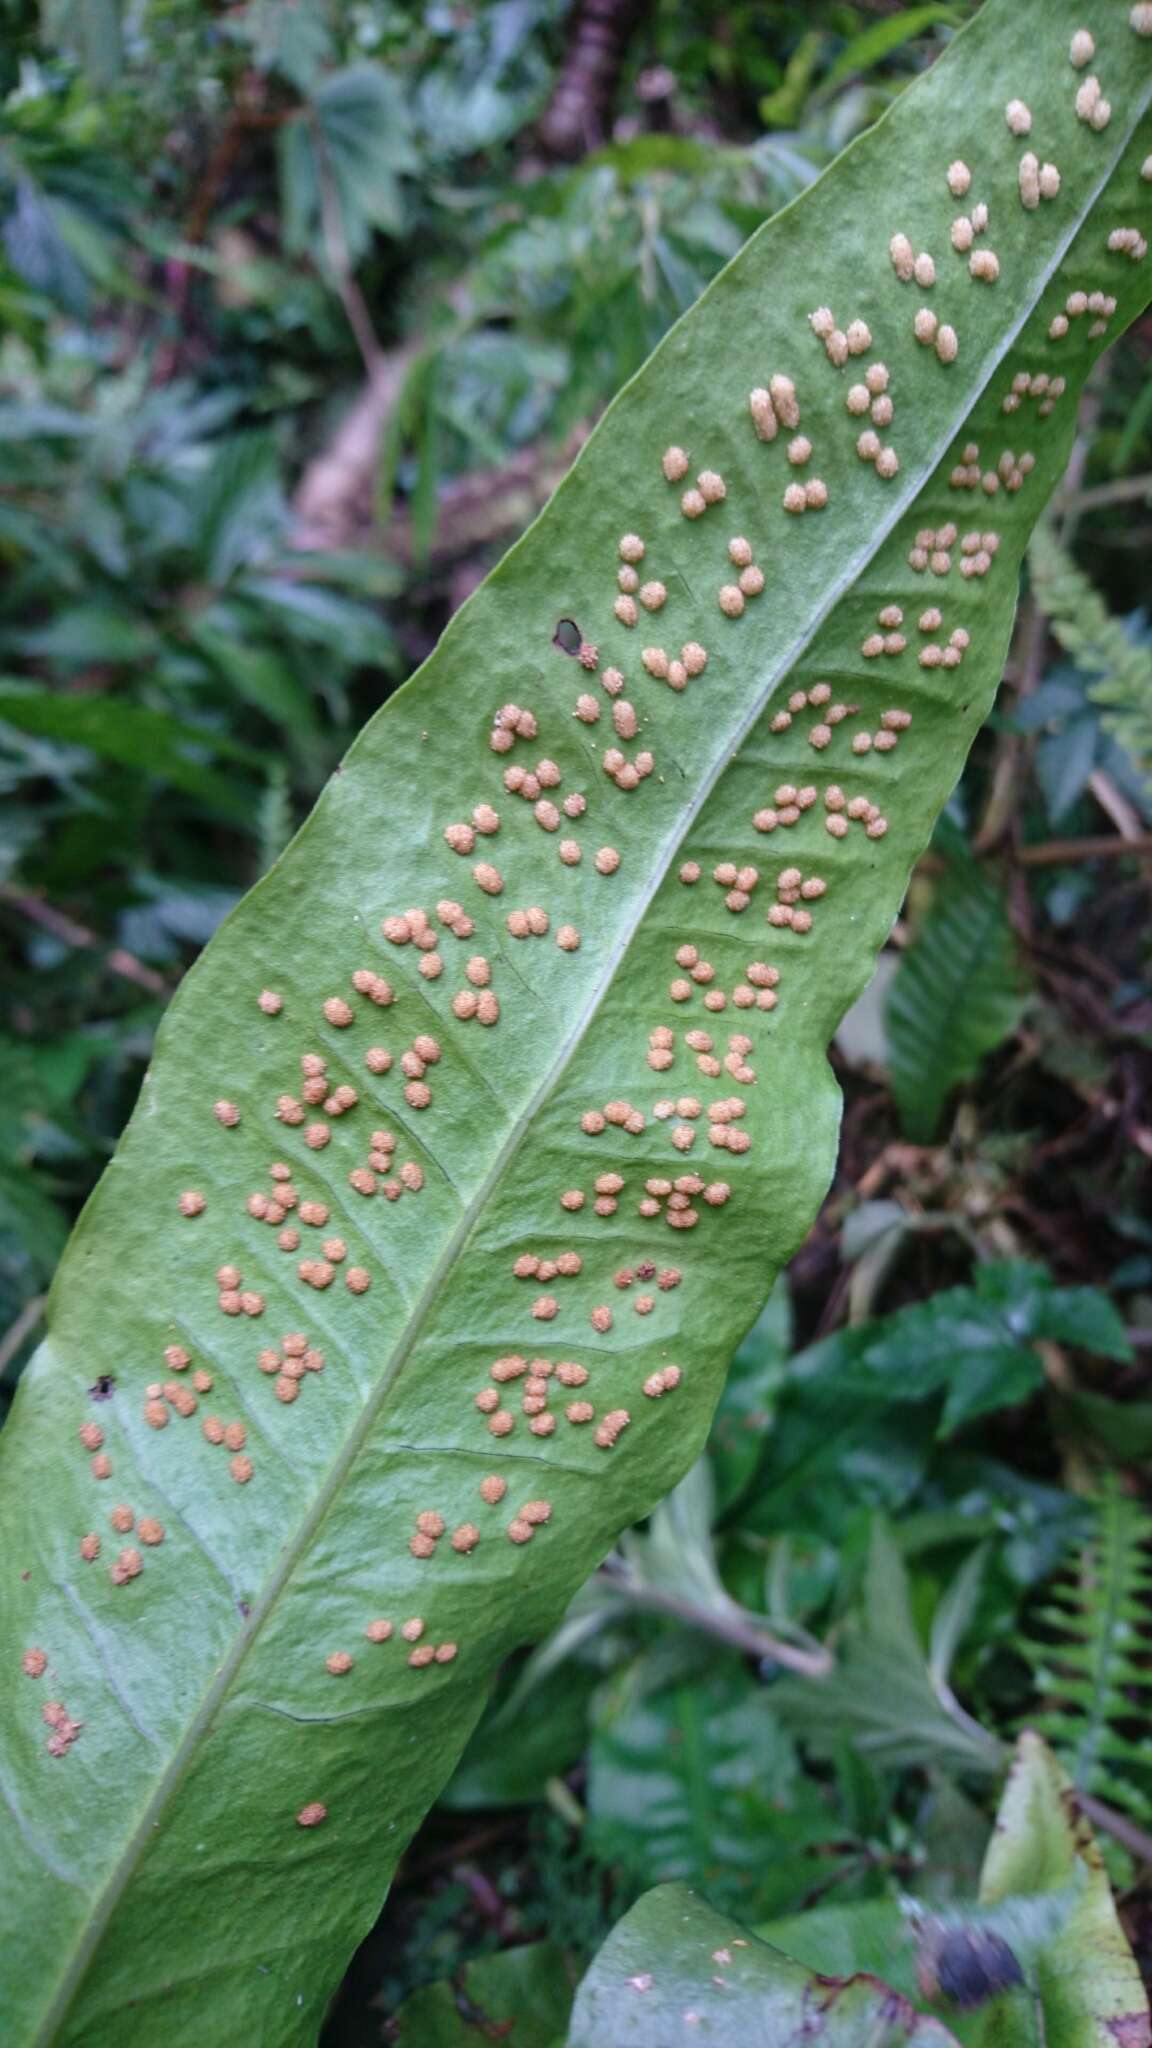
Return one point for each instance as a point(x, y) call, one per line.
point(63, 927)
point(578, 116)
point(23, 1327)
point(727, 1627)
point(1109, 846)
point(1123, 491)
point(1136, 1840)
point(336, 253)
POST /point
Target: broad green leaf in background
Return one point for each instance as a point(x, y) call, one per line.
point(692, 1780)
point(521, 1997)
point(673, 1965)
point(195, 1847)
point(838, 1941)
point(675, 1970)
point(954, 997)
point(1086, 1990)
point(863, 1404)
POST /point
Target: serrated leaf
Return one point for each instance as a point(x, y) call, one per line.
point(837, 1426)
point(1117, 659)
point(954, 997)
point(343, 157)
point(689, 1782)
point(676, 1970)
point(158, 1869)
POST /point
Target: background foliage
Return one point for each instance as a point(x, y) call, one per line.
point(303, 311)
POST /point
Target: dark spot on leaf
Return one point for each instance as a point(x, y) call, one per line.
point(103, 1388)
point(969, 1965)
point(568, 637)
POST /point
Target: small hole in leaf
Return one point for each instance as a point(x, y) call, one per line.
point(568, 637)
point(103, 1388)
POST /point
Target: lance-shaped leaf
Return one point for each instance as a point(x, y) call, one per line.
point(1084, 1988)
point(561, 978)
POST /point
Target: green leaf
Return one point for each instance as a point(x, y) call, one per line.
point(837, 1428)
point(1086, 1979)
point(157, 1870)
point(81, 634)
point(341, 161)
point(838, 1941)
point(955, 996)
point(1089, 1670)
point(674, 1969)
point(92, 29)
point(1123, 1427)
point(236, 506)
point(782, 108)
point(882, 1695)
point(136, 737)
point(698, 1781)
point(29, 1222)
point(879, 40)
point(521, 1997)
point(256, 671)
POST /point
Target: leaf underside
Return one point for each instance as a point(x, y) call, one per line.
point(154, 1863)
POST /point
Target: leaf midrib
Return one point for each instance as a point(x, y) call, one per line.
point(144, 1833)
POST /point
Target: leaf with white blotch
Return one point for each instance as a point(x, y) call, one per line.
point(235, 1757)
point(675, 1970)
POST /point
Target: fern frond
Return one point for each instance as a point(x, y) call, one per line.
point(1120, 668)
point(956, 995)
point(1094, 1667)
